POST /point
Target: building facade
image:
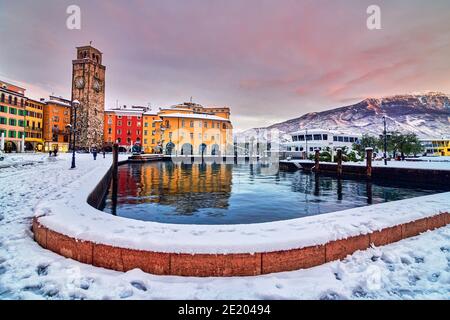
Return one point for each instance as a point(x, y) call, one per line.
point(34, 124)
point(124, 126)
point(184, 129)
point(88, 87)
point(109, 131)
point(191, 129)
point(57, 116)
point(12, 117)
point(151, 133)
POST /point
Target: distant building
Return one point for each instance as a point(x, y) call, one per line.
point(12, 116)
point(436, 147)
point(56, 133)
point(34, 125)
point(307, 141)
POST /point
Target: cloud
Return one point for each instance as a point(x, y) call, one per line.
point(265, 59)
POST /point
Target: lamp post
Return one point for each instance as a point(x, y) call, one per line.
point(75, 105)
point(385, 141)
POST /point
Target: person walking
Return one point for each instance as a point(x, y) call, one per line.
point(94, 153)
point(104, 153)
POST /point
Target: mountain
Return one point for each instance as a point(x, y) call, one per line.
point(427, 115)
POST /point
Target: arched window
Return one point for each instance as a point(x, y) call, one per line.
point(9, 99)
point(3, 97)
point(15, 101)
point(21, 102)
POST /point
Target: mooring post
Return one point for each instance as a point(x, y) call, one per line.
point(339, 162)
point(115, 167)
point(317, 160)
point(115, 163)
point(369, 154)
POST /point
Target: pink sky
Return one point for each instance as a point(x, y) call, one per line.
point(268, 60)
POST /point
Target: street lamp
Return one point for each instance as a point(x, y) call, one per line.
point(75, 105)
point(385, 141)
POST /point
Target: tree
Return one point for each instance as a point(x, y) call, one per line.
point(366, 141)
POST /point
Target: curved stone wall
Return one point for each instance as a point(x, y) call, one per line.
point(225, 265)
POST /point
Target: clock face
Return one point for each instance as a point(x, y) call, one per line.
point(97, 85)
point(79, 82)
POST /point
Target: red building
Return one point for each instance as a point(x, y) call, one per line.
point(124, 124)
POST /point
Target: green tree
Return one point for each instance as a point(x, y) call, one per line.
point(366, 141)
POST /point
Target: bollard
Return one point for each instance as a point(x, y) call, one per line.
point(339, 189)
point(115, 163)
point(339, 162)
point(369, 154)
point(317, 160)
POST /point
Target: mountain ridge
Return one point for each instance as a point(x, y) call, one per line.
point(427, 115)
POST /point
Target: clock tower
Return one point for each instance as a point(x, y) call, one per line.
point(88, 87)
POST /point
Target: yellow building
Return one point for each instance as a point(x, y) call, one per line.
point(437, 147)
point(188, 129)
point(34, 125)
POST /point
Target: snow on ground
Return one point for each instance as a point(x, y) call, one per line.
point(416, 268)
point(20, 159)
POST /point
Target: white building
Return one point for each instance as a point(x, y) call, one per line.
point(305, 142)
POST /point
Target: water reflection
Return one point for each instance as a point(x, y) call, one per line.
point(203, 193)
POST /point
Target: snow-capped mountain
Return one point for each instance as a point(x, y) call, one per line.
point(427, 115)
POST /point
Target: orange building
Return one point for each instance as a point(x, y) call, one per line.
point(109, 129)
point(56, 134)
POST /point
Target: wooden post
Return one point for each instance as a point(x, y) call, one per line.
point(369, 154)
point(115, 163)
point(317, 160)
point(339, 162)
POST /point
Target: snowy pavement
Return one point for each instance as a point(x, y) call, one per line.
point(21, 159)
point(416, 268)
